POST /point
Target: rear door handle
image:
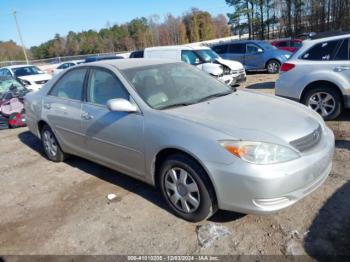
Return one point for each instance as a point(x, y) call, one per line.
point(47, 106)
point(341, 68)
point(86, 116)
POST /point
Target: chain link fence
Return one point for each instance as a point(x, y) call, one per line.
point(51, 62)
point(56, 60)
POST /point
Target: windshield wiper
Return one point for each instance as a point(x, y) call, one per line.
point(174, 105)
point(214, 96)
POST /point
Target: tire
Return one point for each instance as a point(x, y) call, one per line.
point(50, 144)
point(273, 67)
point(197, 186)
point(325, 100)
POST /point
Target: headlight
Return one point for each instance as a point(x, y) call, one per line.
point(259, 152)
point(287, 56)
point(25, 82)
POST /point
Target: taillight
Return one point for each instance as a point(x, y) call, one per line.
point(285, 67)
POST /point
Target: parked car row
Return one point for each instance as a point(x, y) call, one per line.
point(204, 58)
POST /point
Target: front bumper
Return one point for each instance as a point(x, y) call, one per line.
point(227, 79)
point(264, 189)
point(240, 78)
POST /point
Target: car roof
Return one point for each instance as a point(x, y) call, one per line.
point(178, 47)
point(130, 63)
point(285, 40)
point(16, 66)
point(240, 42)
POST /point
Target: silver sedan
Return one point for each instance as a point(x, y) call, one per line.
point(204, 145)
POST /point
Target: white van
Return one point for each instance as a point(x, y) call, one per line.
point(229, 72)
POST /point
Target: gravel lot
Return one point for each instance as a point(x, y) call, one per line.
point(49, 208)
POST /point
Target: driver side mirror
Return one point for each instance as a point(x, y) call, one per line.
point(260, 51)
point(121, 105)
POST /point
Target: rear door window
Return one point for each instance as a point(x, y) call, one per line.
point(343, 51)
point(324, 51)
point(237, 48)
point(220, 49)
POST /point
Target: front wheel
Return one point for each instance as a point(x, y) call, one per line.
point(325, 101)
point(273, 67)
point(187, 189)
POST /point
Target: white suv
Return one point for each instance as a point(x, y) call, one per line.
point(204, 58)
point(318, 75)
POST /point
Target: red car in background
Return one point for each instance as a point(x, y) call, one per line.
point(290, 45)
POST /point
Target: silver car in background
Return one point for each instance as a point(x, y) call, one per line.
point(318, 75)
point(206, 146)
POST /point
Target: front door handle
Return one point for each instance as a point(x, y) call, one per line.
point(47, 106)
point(341, 68)
point(86, 116)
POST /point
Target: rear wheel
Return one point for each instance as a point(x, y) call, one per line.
point(187, 189)
point(273, 67)
point(51, 146)
point(324, 100)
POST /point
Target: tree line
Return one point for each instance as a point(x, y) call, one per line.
point(266, 19)
point(194, 26)
point(259, 19)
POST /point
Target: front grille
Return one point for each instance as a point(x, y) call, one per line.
point(308, 141)
point(41, 82)
point(241, 71)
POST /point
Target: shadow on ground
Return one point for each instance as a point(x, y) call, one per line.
point(342, 144)
point(330, 231)
point(262, 85)
point(345, 116)
point(128, 183)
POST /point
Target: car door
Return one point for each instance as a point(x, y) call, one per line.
point(113, 138)
point(62, 109)
point(340, 59)
point(236, 52)
point(330, 56)
point(254, 57)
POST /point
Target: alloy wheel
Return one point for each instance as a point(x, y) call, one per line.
point(323, 103)
point(273, 67)
point(182, 190)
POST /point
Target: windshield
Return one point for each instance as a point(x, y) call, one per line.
point(207, 55)
point(10, 84)
point(26, 71)
point(267, 46)
point(176, 84)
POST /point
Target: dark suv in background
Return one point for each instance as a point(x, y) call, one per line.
point(254, 55)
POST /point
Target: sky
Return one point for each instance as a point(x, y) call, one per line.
point(40, 20)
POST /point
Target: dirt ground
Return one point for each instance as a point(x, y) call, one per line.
point(49, 208)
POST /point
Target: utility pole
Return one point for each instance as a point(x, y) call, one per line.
point(20, 36)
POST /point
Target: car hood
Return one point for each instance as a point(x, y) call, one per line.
point(233, 65)
point(211, 68)
point(38, 77)
point(251, 116)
